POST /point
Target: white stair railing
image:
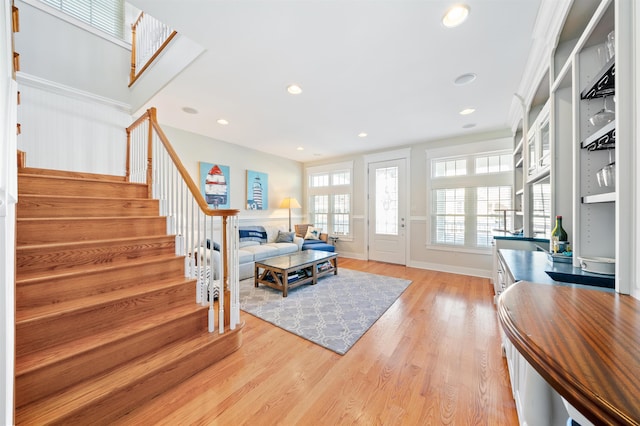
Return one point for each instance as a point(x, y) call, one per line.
point(208, 238)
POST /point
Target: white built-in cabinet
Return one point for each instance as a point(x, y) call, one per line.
point(578, 91)
point(559, 149)
point(600, 221)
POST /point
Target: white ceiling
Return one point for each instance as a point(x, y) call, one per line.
point(384, 67)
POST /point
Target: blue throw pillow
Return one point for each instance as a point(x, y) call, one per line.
point(285, 237)
point(216, 246)
point(252, 233)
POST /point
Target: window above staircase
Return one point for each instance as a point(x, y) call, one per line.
point(109, 19)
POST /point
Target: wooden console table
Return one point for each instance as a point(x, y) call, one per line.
point(584, 343)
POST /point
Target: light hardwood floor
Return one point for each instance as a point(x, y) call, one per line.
point(433, 358)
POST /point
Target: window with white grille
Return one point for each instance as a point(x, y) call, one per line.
point(329, 192)
point(469, 195)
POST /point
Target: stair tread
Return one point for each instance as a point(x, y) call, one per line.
point(80, 179)
point(37, 171)
point(87, 197)
point(50, 355)
point(87, 218)
point(117, 380)
point(86, 243)
point(71, 307)
point(38, 278)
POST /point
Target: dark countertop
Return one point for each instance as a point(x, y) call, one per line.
point(511, 237)
point(533, 266)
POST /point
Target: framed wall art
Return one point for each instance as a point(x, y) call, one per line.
point(214, 184)
point(257, 190)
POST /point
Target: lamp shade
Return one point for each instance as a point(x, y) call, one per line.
point(290, 203)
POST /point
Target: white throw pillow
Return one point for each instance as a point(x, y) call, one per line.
point(312, 233)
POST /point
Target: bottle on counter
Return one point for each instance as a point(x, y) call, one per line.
point(558, 236)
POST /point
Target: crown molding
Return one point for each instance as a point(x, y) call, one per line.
point(552, 15)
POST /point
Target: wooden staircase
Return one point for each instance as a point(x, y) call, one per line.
point(105, 318)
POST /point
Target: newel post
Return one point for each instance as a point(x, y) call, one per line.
point(152, 119)
point(132, 74)
point(225, 278)
point(128, 160)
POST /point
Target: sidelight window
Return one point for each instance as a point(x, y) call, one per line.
point(329, 190)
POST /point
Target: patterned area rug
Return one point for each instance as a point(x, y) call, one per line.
point(334, 313)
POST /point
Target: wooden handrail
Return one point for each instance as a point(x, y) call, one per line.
point(138, 19)
point(150, 115)
point(135, 76)
point(154, 130)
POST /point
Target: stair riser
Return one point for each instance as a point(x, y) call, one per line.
point(63, 288)
point(47, 185)
point(145, 388)
point(38, 334)
point(44, 231)
point(38, 206)
point(64, 259)
point(66, 372)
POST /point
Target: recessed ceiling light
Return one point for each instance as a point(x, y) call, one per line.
point(465, 79)
point(294, 89)
point(300, 148)
point(222, 122)
point(190, 110)
point(467, 111)
point(469, 126)
point(455, 16)
point(362, 135)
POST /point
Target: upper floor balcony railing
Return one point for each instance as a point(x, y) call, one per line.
point(148, 38)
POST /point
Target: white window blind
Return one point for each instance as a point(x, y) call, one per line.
point(105, 15)
point(468, 196)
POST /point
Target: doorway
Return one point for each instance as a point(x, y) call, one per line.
point(387, 221)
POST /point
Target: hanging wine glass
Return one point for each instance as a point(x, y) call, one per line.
point(604, 116)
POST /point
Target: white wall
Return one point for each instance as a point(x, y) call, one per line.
point(8, 194)
point(420, 255)
point(74, 92)
point(54, 50)
point(284, 180)
point(67, 129)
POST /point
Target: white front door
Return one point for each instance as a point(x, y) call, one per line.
point(387, 215)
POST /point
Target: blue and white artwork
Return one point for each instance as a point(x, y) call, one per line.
point(257, 190)
point(214, 183)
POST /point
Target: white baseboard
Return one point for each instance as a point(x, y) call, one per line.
point(350, 255)
point(474, 272)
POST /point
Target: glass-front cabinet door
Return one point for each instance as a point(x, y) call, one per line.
point(539, 145)
point(545, 144)
point(532, 152)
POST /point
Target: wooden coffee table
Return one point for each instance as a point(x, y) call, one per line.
point(292, 270)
